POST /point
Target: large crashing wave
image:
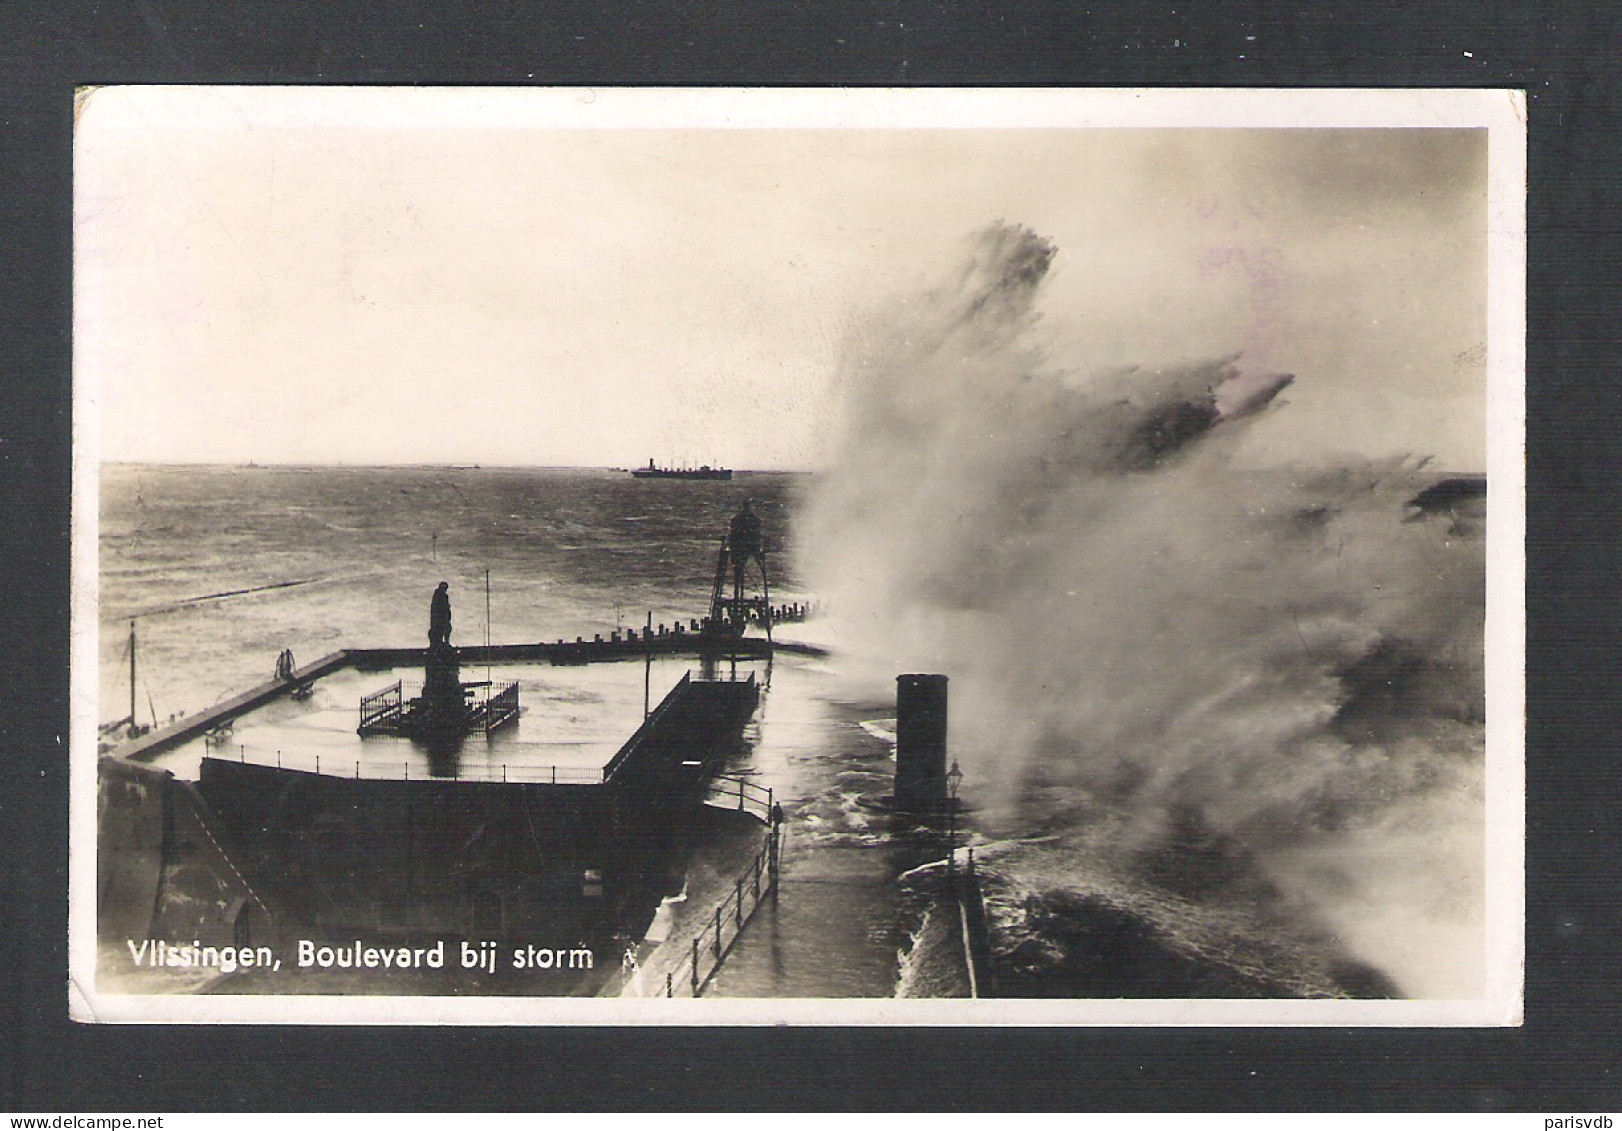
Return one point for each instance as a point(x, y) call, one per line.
point(1255, 689)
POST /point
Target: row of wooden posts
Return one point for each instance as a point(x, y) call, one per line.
point(780, 614)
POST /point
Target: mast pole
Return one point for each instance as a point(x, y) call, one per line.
point(132, 675)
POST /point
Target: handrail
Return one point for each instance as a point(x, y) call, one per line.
point(641, 733)
point(725, 789)
point(365, 769)
point(971, 908)
point(708, 949)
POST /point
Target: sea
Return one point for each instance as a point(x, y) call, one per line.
point(221, 568)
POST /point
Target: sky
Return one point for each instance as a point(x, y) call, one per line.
point(531, 278)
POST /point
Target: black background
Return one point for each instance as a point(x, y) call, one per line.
point(1564, 55)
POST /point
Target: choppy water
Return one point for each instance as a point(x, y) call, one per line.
point(356, 552)
point(334, 557)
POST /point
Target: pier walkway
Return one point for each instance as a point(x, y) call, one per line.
point(149, 746)
point(664, 641)
point(730, 878)
point(971, 906)
point(829, 932)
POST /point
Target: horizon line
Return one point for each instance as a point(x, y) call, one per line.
point(435, 465)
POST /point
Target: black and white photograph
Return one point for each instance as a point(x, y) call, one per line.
point(834, 557)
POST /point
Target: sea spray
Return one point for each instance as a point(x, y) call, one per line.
point(931, 963)
point(1254, 689)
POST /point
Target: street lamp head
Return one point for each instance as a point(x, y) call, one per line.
point(954, 778)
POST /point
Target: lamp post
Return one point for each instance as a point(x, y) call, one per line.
point(954, 778)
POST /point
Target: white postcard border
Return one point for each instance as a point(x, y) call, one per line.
point(1501, 112)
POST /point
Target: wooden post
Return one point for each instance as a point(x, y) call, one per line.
point(411, 864)
point(132, 678)
point(765, 593)
point(695, 965)
point(718, 934)
point(670, 983)
point(740, 794)
point(740, 905)
point(647, 663)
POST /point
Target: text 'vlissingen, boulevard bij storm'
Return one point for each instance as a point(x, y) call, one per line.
point(485, 955)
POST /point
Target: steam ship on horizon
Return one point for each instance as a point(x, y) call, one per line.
point(704, 472)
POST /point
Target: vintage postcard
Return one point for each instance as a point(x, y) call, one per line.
point(555, 556)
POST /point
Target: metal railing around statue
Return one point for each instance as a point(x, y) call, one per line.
point(390, 711)
point(381, 708)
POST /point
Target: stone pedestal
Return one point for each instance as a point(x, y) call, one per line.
point(444, 708)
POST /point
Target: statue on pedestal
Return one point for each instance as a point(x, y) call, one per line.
point(443, 702)
point(446, 710)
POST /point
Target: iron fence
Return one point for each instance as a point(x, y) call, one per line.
point(374, 769)
point(707, 949)
point(732, 791)
point(381, 707)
